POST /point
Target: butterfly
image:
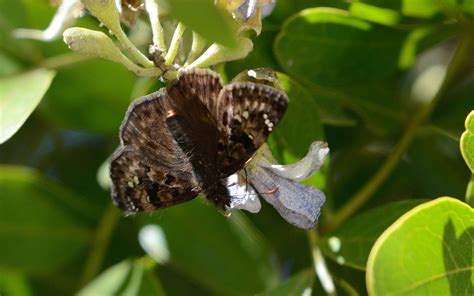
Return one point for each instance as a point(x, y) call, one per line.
point(187, 138)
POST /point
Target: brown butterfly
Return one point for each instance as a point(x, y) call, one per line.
point(188, 138)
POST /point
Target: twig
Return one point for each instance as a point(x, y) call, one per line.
point(462, 51)
point(99, 246)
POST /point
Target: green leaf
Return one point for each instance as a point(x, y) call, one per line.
point(203, 17)
point(101, 104)
point(238, 265)
point(345, 62)
point(38, 221)
point(427, 251)
point(129, 277)
point(350, 244)
point(301, 124)
point(299, 284)
point(374, 14)
point(467, 142)
point(14, 283)
point(427, 8)
point(418, 8)
point(19, 96)
point(328, 48)
point(470, 192)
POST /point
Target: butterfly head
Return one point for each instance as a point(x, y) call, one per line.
point(218, 195)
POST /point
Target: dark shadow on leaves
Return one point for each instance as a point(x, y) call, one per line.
point(457, 254)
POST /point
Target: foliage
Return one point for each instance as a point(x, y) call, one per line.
point(388, 84)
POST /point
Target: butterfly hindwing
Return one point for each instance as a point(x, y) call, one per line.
point(247, 113)
point(141, 185)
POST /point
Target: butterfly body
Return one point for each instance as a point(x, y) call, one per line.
point(188, 138)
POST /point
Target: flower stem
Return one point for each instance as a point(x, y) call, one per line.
point(128, 46)
point(455, 66)
point(174, 45)
point(152, 8)
point(99, 246)
point(197, 47)
point(320, 267)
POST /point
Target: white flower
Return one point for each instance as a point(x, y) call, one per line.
point(243, 195)
point(279, 185)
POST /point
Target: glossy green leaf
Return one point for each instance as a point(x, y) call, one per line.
point(299, 284)
point(237, 265)
point(427, 251)
point(467, 142)
point(38, 221)
point(129, 277)
point(328, 48)
point(351, 243)
point(19, 96)
point(203, 17)
point(345, 62)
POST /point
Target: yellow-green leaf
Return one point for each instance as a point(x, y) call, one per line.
point(19, 96)
point(428, 251)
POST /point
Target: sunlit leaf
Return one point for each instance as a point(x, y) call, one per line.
point(19, 96)
point(467, 141)
point(426, 251)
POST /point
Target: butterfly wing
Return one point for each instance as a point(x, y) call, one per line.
point(141, 185)
point(203, 84)
point(150, 171)
point(247, 112)
point(167, 135)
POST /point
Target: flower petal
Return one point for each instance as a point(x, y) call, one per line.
point(243, 196)
point(298, 204)
point(302, 169)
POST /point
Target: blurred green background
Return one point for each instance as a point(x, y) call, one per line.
point(369, 77)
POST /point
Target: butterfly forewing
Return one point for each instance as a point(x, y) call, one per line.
point(247, 113)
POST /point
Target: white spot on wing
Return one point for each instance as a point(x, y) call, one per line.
point(237, 117)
